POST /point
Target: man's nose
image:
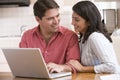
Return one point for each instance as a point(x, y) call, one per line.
point(56, 20)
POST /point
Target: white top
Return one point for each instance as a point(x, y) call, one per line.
point(97, 51)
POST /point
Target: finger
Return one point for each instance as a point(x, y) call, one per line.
point(49, 69)
point(53, 70)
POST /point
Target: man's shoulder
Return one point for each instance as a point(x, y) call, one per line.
point(67, 30)
point(30, 31)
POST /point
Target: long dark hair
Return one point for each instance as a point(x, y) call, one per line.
point(88, 11)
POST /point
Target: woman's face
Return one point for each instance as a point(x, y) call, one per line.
point(79, 23)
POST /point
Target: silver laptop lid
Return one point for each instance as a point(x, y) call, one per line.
point(26, 62)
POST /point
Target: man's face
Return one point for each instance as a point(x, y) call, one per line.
point(50, 22)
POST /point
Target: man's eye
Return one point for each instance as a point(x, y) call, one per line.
point(77, 20)
point(49, 18)
point(58, 16)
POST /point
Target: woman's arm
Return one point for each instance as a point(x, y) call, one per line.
point(104, 51)
point(81, 68)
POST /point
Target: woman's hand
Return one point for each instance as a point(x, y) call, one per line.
point(76, 65)
point(80, 68)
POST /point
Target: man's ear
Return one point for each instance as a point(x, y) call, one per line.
point(37, 18)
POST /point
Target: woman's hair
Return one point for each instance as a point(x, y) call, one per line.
point(91, 14)
point(41, 6)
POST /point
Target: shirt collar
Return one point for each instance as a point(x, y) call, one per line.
point(36, 30)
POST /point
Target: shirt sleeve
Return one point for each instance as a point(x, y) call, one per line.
point(103, 49)
point(73, 51)
point(23, 42)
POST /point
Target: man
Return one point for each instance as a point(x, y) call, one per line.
point(58, 44)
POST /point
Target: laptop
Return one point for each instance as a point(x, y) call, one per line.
point(29, 62)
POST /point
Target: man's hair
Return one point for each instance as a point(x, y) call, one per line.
point(41, 6)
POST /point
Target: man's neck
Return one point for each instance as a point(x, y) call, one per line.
point(47, 36)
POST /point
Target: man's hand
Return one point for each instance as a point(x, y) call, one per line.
point(52, 67)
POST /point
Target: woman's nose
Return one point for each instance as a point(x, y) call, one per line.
point(72, 22)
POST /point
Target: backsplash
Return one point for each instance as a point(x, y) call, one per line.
point(11, 20)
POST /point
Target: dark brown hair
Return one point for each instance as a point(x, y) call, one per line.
point(41, 6)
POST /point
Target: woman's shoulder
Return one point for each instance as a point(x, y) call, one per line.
point(97, 36)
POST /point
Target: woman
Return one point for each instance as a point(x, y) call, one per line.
point(97, 53)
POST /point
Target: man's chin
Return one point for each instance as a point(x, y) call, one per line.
point(56, 30)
